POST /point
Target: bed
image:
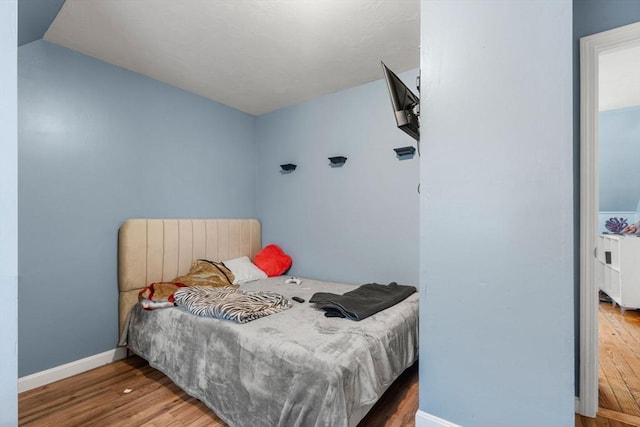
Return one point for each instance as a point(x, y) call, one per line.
point(293, 368)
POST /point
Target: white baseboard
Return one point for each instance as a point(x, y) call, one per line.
point(69, 369)
point(424, 419)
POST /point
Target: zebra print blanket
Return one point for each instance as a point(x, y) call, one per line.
point(230, 303)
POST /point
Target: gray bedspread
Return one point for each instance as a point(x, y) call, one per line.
point(293, 368)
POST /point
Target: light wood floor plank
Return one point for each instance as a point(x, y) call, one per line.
point(623, 330)
point(624, 341)
point(606, 396)
point(619, 382)
point(619, 417)
point(619, 369)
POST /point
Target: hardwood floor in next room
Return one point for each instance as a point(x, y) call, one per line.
point(619, 369)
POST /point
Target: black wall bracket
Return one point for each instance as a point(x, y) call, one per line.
point(337, 161)
point(288, 167)
point(405, 151)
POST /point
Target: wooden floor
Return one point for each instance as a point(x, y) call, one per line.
point(619, 369)
point(99, 398)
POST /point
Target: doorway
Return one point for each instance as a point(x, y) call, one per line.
point(591, 49)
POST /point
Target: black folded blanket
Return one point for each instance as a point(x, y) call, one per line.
point(363, 301)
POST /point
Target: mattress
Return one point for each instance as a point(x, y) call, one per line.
point(293, 368)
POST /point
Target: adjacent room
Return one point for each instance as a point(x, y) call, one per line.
point(618, 262)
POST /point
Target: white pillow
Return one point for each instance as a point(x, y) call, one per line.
point(244, 270)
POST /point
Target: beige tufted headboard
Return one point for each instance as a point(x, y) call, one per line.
point(157, 250)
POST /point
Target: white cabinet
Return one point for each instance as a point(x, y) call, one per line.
point(619, 269)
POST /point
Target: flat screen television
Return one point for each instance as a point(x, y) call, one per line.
point(405, 104)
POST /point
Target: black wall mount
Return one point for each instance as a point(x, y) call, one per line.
point(405, 151)
point(337, 161)
point(288, 167)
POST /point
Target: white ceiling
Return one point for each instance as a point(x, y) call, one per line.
point(619, 75)
point(253, 55)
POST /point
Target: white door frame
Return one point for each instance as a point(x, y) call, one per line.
point(591, 47)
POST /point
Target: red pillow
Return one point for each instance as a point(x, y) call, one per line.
point(272, 260)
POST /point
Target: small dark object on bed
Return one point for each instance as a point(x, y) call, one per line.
point(298, 299)
point(363, 301)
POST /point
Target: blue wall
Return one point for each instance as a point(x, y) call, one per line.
point(35, 17)
point(496, 279)
point(619, 161)
point(100, 144)
point(595, 16)
point(357, 223)
point(8, 215)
